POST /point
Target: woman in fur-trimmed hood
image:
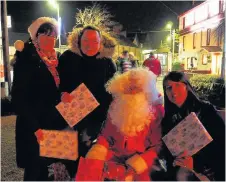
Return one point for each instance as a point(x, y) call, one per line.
point(107, 42)
point(88, 60)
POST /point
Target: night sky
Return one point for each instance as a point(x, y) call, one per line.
point(133, 15)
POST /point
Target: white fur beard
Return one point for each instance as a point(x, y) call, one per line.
point(130, 113)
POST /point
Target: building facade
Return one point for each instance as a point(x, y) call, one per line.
point(201, 37)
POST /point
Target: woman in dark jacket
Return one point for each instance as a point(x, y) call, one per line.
point(180, 100)
point(88, 61)
point(34, 96)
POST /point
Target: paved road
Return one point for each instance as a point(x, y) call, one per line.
point(9, 170)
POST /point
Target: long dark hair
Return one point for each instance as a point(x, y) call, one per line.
point(177, 77)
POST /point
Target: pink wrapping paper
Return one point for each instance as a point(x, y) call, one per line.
point(189, 135)
point(82, 104)
point(59, 144)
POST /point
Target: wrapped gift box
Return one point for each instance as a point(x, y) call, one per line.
point(59, 144)
point(82, 104)
point(189, 135)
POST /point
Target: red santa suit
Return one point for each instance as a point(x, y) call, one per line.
point(131, 136)
point(137, 151)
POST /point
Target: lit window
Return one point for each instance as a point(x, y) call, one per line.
point(204, 59)
point(183, 43)
point(208, 36)
point(201, 39)
point(214, 7)
point(201, 13)
point(189, 20)
point(220, 35)
point(194, 40)
point(183, 22)
point(222, 9)
point(192, 62)
point(162, 59)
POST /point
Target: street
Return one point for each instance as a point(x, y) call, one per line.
point(9, 170)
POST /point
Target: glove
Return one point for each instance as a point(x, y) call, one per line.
point(114, 171)
point(184, 160)
point(39, 135)
point(66, 97)
point(89, 170)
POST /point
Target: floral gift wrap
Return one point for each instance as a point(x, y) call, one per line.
point(59, 144)
point(82, 104)
point(189, 135)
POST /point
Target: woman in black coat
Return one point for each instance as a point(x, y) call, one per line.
point(35, 94)
point(88, 61)
point(180, 100)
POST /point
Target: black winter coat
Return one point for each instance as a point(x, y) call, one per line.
point(34, 97)
point(75, 69)
point(209, 161)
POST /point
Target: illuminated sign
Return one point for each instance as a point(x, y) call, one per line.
point(9, 24)
point(213, 7)
point(201, 13)
point(189, 19)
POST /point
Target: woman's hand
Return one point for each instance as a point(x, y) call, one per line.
point(39, 135)
point(66, 97)
point(184, 160)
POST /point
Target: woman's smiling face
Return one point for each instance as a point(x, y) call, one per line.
point(90, 42)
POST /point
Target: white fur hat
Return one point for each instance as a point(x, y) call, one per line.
point(33, 28)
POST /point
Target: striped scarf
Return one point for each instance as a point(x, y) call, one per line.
point(126, 66)
point(50, 60)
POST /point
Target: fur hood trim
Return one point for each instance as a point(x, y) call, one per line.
point(33, 28)
point(107, 48)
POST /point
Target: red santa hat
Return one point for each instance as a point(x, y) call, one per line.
point(33, 28)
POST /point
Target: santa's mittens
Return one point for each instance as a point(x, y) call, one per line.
point(114, 171)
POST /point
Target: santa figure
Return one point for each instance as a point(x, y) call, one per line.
point(130, 140)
